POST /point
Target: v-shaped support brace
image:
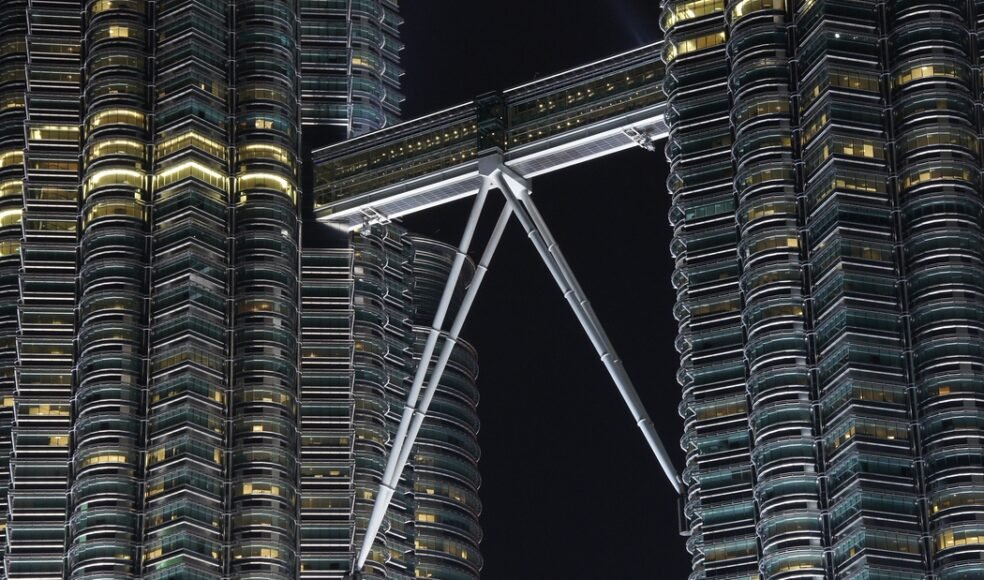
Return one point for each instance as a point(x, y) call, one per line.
point(519, 203)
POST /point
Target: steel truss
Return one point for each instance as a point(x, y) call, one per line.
point(516, 190)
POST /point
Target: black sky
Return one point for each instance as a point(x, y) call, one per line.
point(570, 488)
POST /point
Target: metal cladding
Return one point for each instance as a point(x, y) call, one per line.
point(825, 173)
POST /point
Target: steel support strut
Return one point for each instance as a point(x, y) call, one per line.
point(518, 202)
point(518, 198)
point(414, 412)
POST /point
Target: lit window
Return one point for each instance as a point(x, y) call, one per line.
point(190, 169)
point(113, 208)
point(10, 217)
point(115, 147)
point(115, 177)
point(266, 181)
point(746, 7)
point(117, 116)
point(13, 157)
point(190, 139)
point(104, 459)
point(54, 133)
point(685, 11)
point(11, 187)
point(694, 44)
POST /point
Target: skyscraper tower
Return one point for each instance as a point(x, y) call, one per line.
point(174, 405)
point(366, 310)
point(826, 174)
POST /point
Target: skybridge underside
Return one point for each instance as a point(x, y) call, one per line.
point(464, 180)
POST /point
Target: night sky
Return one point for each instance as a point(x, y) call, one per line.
point(570, 488)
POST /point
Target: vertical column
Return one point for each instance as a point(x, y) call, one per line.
point(857, 311)
point(328, 406)
point(446, 506)
point(264, 455)
point(936, 84)
point(383, 360)
point(187, 433)
point(774, 316)
point(720, 504)
point(108, 429)
point(38, 496)
point(13, 86)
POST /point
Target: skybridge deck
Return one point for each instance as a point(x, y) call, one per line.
point(543, 126)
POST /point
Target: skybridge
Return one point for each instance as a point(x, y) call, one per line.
point(499, 141)
point(540, 127)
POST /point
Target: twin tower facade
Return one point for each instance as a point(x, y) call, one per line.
point(827, 210)
point(186, 390)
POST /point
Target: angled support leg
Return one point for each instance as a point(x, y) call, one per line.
point(517, 196)
point(386, 488)
point(415, 412)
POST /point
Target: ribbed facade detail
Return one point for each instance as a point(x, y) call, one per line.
point(934, 68)
point(446, 505)
point(784, 429)
point(720, 503)
point(111, 381)
point(185, 511)
point(855, 211)
point(868, 446)
point(263, 464)
point(13, 85)
point(363, 314)
point(328, 406)
point(42, 426)
point(382, 277)
point(350, 64)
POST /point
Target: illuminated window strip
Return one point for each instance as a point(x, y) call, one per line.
point(114, 116)
point(111, 147)
point(204, 173)
point(284, 185)
point(190, 139)
point(129, 177)
point(8, 158)
point(279, 154)
point(11, 187)
point(9, 217)
point(189, 164)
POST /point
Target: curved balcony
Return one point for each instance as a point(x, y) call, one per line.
point(790, 492)
point(952, 463)
point(779, 384)
point(760, 212)
point(777, 348)
point(780, 531)
point(788, 456)
point(795, 563)
point(943, 354)
point(956, 544)
point(110, 558)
